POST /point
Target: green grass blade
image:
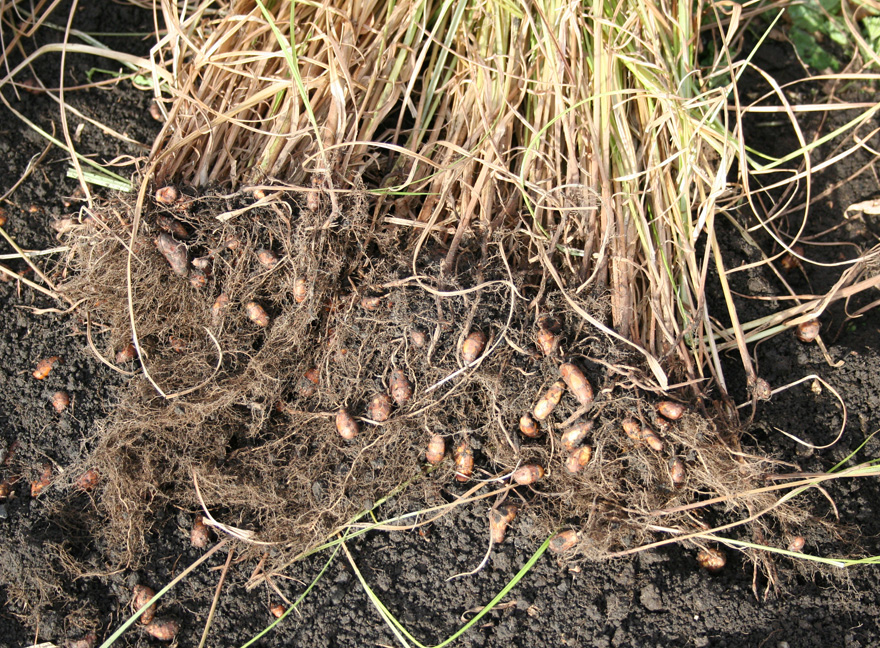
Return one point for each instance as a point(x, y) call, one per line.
point(401, 632)
point(297, 602)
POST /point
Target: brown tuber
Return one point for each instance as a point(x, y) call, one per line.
point(632, 428)
point(577, 383)
point(278, 610)
point(142, 596)
point(575, 435)
point(528, 474)
point(677, 472)
point(418, 338)
point(200, 533)
point(371, 303)
point(400, 386)
point(300, 289)
point(563, 541)
point(219, 306)
point(38, 485)
point(808, 331)
point(379, 409)
point(172, 226)
point(472, 346)
point(347, 427)
point(654, 442)
point(436, 450)
point(256, 314)
point(174, 253)
point(44, 367)
point(308, 385)
point(528, 427)
point(163, 629)
point(156, 112)
point(548, 402)
point(267, 258)
point(578, 459)
point(60, 401)
point(712, 560)
point(464, 461)
point(546, 340)
point(167, 195)
point(88, 480)
point(126, 354)
point(499, 519)
point(669, 409)
point(797, 544)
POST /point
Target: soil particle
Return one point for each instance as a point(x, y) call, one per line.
point(650, 598)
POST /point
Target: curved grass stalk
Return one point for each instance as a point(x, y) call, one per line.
point(404, 636)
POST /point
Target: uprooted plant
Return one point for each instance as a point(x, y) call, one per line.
point(367, 225)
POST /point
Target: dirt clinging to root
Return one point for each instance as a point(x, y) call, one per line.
point(280, 315)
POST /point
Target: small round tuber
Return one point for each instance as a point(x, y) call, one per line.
point(300, 289)
point(797, 544)
point(577, 382)
point(499, 519)
point(256, 314)
point(548, 402)
point(44, 480)
point(576, 434)
point(308, 384)
point(379, 409)
point(808, 331)
point(44, 367)
point(347, 427)
point(436, 450)
point(418, 338)
point(546, 340)
point(712, 560)
point(677, 472)
point(563, 541)
point(88, 480)
point(60, 401)
point(400, 386)
point(528, 427)
point(578, 459)
point(126, 354)
point(464, 461)
point(200, 533)
point(671, 410)
point(218, 307)
point(142, 596)
point(654, 442)
point(164, 629)
point(267, 258)
point(167, 195)
point(472, 346)
point(528, 474)
point(278, 610)
point(632, 428)
point(371, 302)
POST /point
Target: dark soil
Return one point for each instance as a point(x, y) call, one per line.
point(59, 578)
